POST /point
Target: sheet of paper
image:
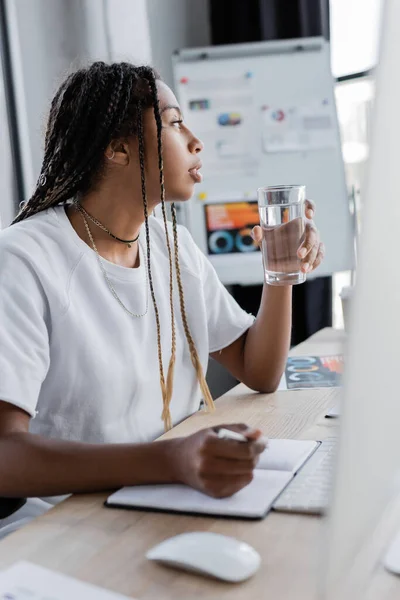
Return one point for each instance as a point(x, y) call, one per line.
point(253, 501)
point(26, 581)
point(286, 455)
point(299, 128)
point(222, 113)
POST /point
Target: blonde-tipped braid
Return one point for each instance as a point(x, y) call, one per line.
point(146, 221)
point(166, 414)
point(192, 347)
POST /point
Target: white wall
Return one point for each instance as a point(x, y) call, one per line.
point(45, 44)
point(117, 30)
point(49, 38)
point(144, 31)
point(176, 24)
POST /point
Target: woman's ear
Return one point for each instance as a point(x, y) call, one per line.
point(117, 152)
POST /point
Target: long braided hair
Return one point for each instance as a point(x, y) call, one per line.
point(91, 108)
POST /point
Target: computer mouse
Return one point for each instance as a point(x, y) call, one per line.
point(210, 554)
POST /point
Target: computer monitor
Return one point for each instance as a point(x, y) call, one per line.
point(369, 444)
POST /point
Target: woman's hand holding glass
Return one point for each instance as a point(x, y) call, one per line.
point(311, 250)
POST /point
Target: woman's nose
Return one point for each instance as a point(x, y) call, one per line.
point(196, 146)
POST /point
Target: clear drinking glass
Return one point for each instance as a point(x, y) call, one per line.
point(282, 220)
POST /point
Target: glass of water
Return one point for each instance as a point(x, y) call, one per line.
point(282, 220)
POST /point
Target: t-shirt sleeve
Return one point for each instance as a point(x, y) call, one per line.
point(24, 337)
point(226, 320)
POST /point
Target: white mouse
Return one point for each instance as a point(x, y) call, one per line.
point(209, 554)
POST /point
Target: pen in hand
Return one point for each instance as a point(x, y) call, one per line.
point(228, 434)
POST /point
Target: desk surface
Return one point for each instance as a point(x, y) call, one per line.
point(107, 547)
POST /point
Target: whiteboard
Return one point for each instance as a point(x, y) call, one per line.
point(233, 97)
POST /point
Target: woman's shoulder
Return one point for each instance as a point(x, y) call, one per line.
point(38, 242)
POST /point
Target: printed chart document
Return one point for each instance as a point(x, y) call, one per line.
point(26, 581)
point(277, 466)
point(305, 372)
point(299, 128)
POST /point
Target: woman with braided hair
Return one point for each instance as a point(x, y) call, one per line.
point(109, 315)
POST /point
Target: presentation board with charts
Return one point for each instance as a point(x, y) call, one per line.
point(266, 114)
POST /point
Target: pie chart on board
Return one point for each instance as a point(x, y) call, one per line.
point(278, 115)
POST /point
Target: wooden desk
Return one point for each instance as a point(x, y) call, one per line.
point(107, 547)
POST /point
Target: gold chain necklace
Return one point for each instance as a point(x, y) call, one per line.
point(110, 286)
point(104, 228)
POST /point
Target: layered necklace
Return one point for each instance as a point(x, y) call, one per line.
point(104, 228)
point(85, 216)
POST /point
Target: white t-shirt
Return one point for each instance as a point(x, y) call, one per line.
point(70, 355)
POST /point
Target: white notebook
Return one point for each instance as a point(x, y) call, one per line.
point(277, 466)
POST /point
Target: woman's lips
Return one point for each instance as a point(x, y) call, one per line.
point(194, 172)
point(196, 175)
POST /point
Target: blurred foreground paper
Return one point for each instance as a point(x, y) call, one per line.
point(26, 581)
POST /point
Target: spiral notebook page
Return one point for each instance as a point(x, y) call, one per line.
point(286, 455)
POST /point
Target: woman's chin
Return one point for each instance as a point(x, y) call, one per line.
point(180, 195)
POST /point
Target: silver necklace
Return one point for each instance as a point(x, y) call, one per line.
point(111, 288)
point(104, 228)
